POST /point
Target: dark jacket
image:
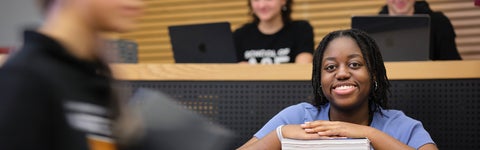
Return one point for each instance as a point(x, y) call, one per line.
point(442, 34)
point(51, 100)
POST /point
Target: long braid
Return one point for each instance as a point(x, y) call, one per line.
point(373, 57)
point(320, 98)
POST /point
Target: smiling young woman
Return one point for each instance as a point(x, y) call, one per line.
point(350, 86)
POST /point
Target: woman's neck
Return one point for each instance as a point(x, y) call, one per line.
point(272, 26)
point(358, 116)
point(410, 12)
point(72, 31)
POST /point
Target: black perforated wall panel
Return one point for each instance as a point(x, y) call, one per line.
point(449, 109)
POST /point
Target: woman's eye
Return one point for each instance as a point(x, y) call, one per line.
point(355, 65)
point(330, 67)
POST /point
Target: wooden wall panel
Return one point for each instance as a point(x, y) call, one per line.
point(324, 15)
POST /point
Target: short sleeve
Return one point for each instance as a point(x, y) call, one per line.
point(403, 128)
point(419, 136)
point(294, 114)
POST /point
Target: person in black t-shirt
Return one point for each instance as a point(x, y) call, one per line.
point(272, 37)
point(55, 92)
point(442, 34)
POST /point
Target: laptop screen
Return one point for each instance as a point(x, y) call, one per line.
point(400, 38)
point(203, 43)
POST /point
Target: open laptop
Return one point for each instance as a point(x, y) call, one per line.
point(400, 38)
point(169, 125)
point(203, 43)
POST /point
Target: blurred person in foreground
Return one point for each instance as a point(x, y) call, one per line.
point(56, 91)
point(442, 34)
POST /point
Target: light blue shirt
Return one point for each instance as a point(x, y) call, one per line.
point(393, 122)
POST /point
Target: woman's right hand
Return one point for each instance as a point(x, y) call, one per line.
point(297, 132)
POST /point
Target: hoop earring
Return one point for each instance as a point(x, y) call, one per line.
point(284, 8)
point(376, 85)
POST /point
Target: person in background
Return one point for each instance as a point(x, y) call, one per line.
point(272, 37)
point(442, 34)
point(55, 92)
point(350, 87)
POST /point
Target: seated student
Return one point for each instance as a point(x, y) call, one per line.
point(272, 37)
point(55, 92)
point(442, 34)
point(351, 85)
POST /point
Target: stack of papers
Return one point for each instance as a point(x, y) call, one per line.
point(324, 144)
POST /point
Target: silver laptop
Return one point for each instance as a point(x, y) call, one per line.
point(400, 38)
point(203, 43)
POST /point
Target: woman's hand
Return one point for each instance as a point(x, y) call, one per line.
point(325, 129)
point(334, 129)
point(297, 132)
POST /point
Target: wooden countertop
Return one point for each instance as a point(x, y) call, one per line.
point(412, 70)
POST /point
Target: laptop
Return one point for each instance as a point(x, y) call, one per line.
point(169, 125)
point(203, 43)
point(400, 38)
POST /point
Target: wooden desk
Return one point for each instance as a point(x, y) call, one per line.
point(292, 72)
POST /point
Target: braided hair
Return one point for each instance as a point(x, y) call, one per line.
point(378, 96)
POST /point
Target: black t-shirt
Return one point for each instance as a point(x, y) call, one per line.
point(282, 47)
point(52, 100)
